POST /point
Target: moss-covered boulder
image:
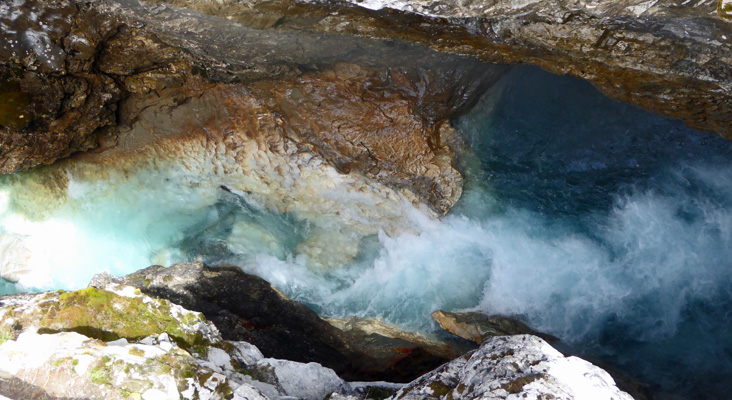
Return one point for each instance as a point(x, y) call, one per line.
point(113, 342)
point(110, 314)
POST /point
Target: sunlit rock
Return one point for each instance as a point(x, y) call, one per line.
point(514, 367)
point(108, 314)
point(116, 343)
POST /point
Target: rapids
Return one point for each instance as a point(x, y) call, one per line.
point(605, 225)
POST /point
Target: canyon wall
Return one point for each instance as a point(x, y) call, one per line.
point(354, 84)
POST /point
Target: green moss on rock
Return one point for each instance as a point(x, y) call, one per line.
point(104, 315)
point(517, 385)
point(724, 10)
point(439, 388)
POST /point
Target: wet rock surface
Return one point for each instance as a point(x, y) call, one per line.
point(477, 327)
point(81, 76)
point(246, 308)
point(346, 133)
point(399, 354)
point(669, 57)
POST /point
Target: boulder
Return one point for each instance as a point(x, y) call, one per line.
point(514, 367)
point(107, 314)
point(113, 342)
point(388, 353)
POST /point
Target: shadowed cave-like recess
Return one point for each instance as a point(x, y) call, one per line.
point(592, 220)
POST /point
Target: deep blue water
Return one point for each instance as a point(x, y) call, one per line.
point(648, 288)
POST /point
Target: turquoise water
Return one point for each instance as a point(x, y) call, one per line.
point(600, 223)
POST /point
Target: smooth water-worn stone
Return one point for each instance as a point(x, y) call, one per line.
point(477, 327)
point(514, 367)
point(309, 381)
point(399, 355)
point(267, 105)
point(349, 135)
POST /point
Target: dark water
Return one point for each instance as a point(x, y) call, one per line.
point(648, 286)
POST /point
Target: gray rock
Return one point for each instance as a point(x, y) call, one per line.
point(61, 362)
point(514, 367)
point(670, 57)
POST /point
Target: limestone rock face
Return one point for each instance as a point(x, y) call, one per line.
point(514, 367)
point(137, 76)
point(672, 57)
point(346, 133)
point(669, 57)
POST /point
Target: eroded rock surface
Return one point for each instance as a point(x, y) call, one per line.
point(396, 355)
point(131, 74)
point(669, 57)
point(514, 367)
point(346, 133)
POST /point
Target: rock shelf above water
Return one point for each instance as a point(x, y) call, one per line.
point(87, 343)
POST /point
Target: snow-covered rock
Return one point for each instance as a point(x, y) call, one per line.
point(515, 367)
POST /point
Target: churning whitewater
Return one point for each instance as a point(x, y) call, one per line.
point(594, 221)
